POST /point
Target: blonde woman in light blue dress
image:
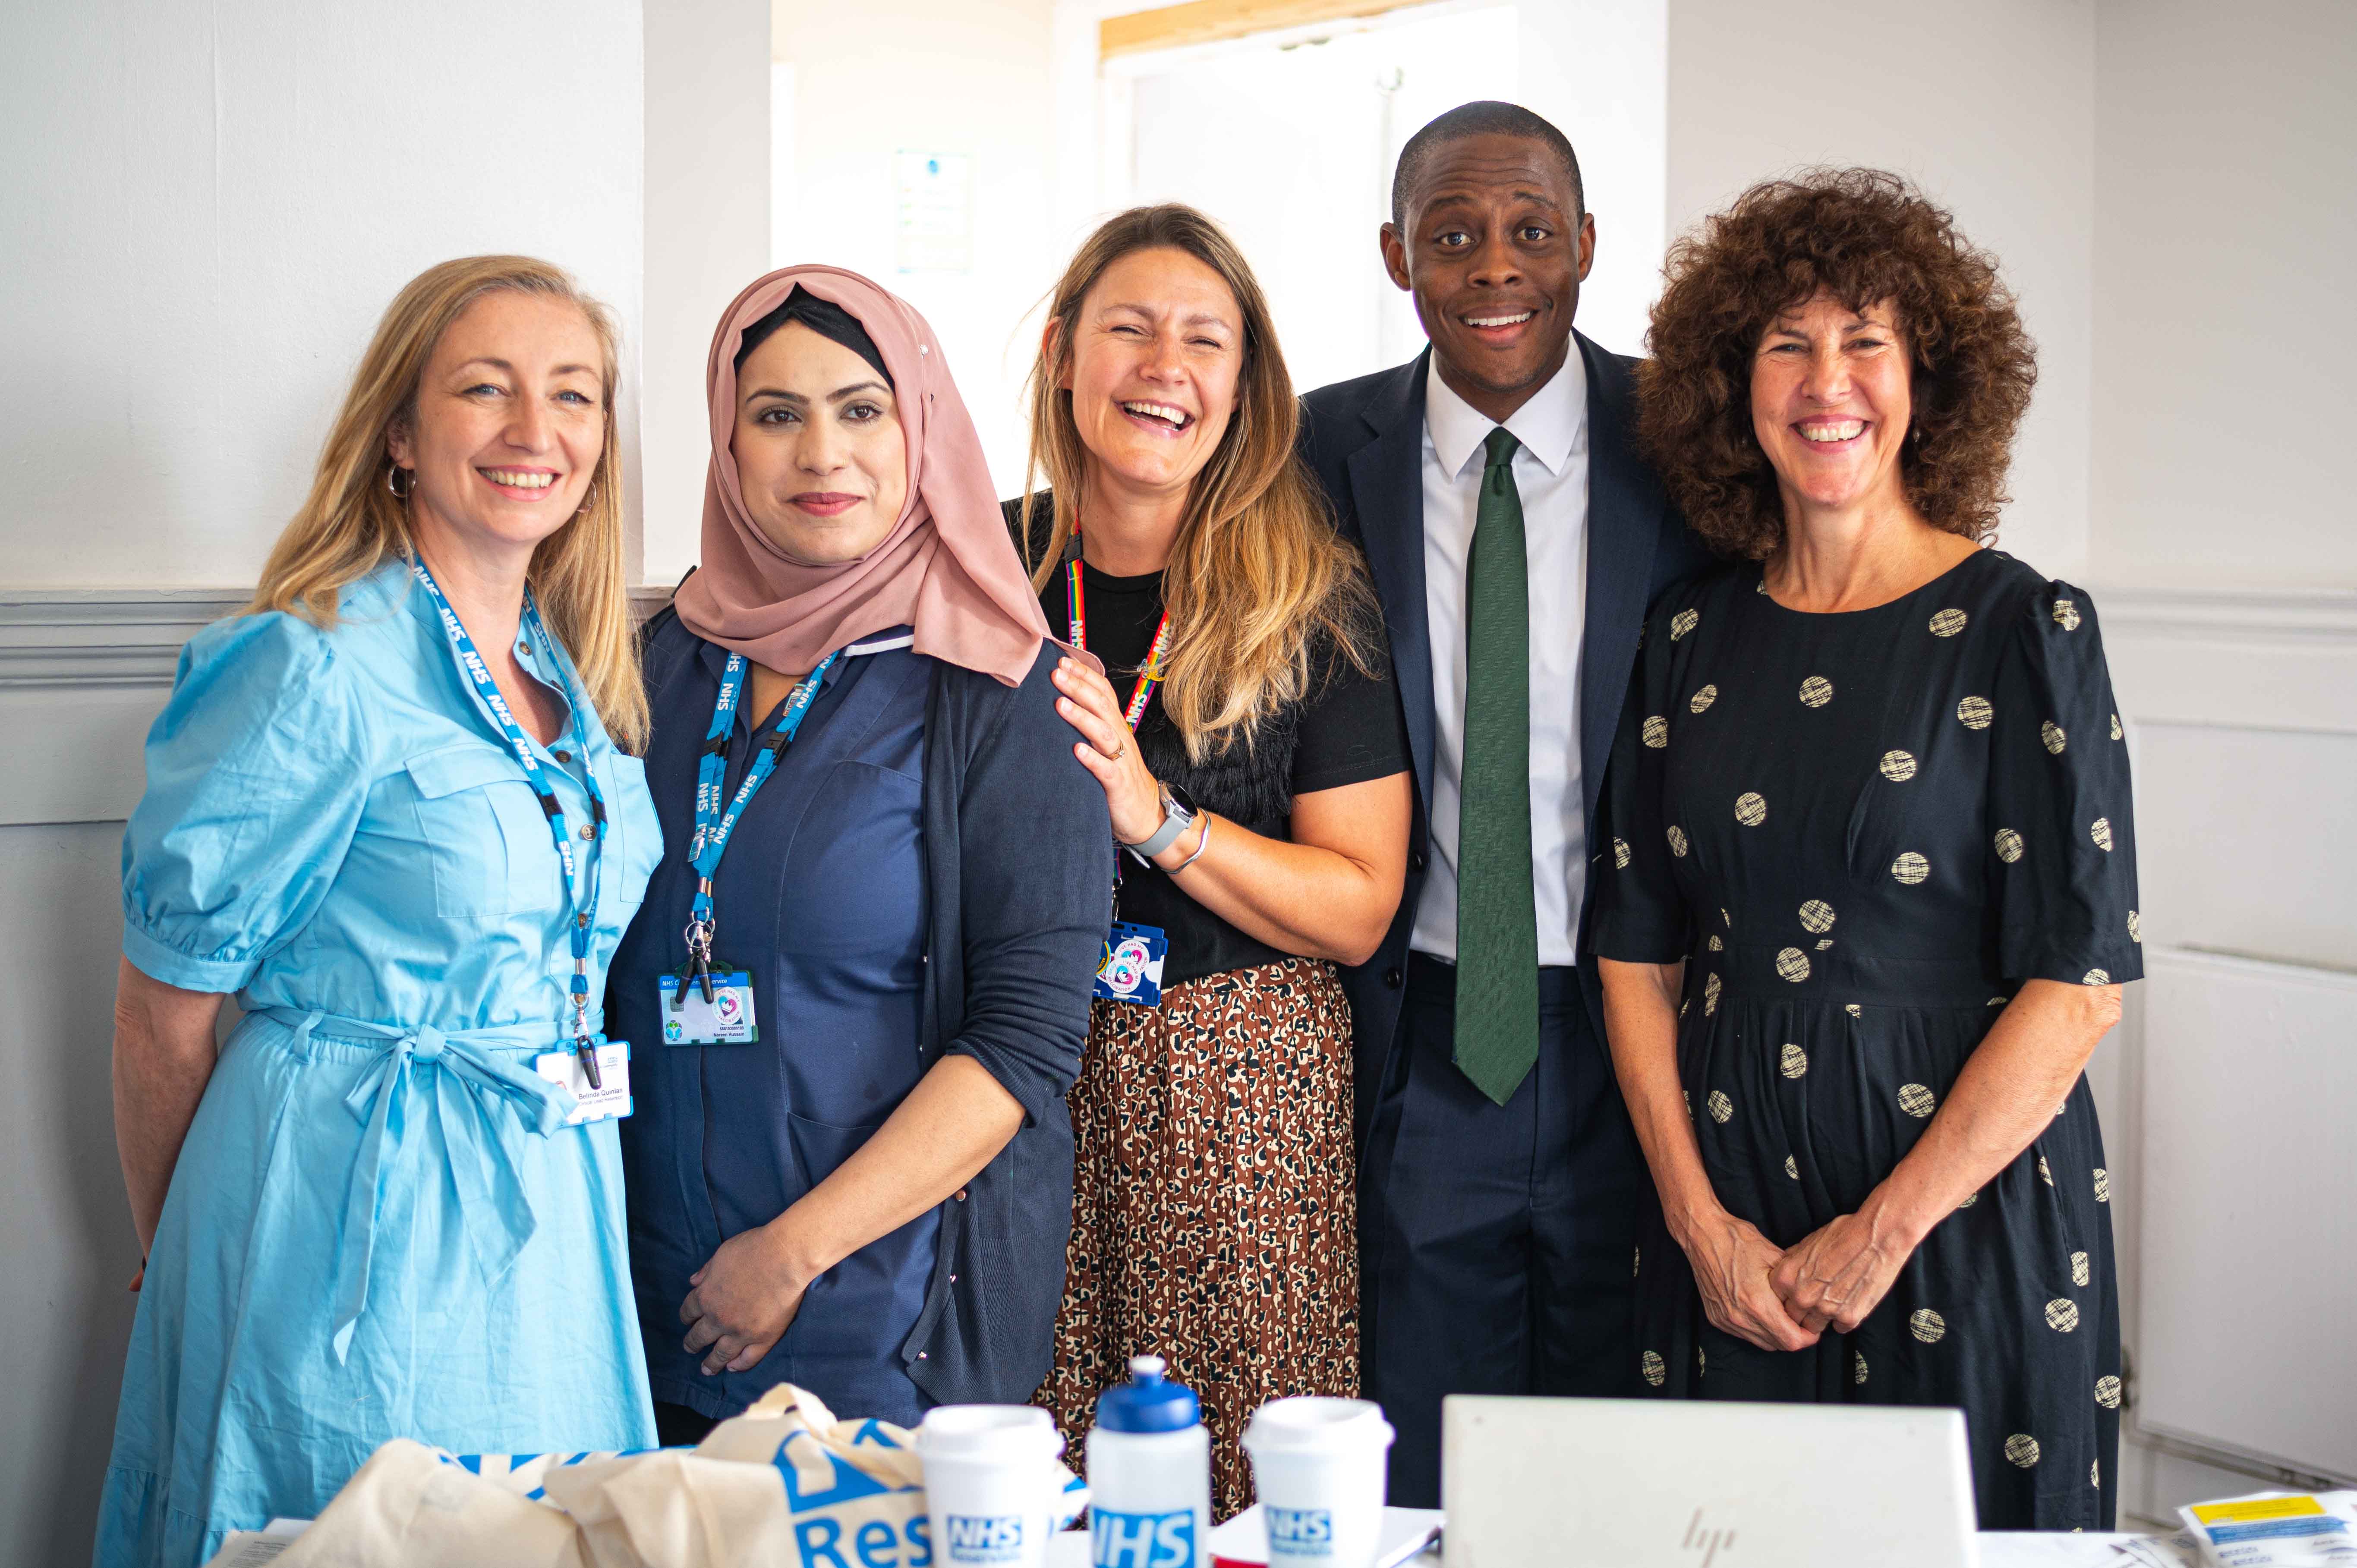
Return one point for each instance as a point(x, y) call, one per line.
point(380, 804)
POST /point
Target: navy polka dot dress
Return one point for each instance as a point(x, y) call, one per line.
point(1863, 831)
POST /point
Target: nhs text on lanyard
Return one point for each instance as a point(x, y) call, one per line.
point(702, 1006)
point(597, 1070)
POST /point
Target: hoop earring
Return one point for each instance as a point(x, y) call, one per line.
point(395, 482)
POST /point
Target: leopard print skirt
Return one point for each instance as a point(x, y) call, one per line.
point(1214, 1204)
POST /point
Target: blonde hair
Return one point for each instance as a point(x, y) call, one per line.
point(352, 523)
point(1257, 571)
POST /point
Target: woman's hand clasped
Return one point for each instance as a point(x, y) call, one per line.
point(1837, 1273)
point(1109, 751)
point(740, 1304)
point(1732, 1265)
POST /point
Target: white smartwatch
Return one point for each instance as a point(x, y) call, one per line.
point(1178, 810)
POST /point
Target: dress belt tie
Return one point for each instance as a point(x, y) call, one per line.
point(468, 1096)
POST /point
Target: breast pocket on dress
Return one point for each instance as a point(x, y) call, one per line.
point(485, 833)
point(635, 840)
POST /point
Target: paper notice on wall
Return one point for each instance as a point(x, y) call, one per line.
point(934, 212)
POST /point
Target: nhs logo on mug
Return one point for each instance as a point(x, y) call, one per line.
point(1142, 1540)
point(1305, 1533)
point(985, 1538)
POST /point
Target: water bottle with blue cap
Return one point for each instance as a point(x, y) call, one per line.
point(1149, 1464)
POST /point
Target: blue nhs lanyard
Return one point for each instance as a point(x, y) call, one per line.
point(713, 826)
point(583, 919)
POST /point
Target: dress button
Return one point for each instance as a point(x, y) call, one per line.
point(1391, 977)
point(562, 755)
point(961, 1195)
point(588, 829)
point(1415, 861)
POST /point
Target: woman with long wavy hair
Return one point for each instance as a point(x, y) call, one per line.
point(1253, 756)
point(386, 807)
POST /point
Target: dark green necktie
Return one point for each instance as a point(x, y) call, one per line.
point(1497, 919)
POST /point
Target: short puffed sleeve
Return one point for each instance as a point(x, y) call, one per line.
point(1640, 916)
point(2062, 819)
point(257, 780)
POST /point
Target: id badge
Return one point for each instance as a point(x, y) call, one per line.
point(609, 1102)
point(727, 1020)
point(1131, 970)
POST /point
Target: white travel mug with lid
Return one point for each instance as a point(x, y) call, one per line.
point(993, 1488)
point(1319, 1467)
point(1149, 1474)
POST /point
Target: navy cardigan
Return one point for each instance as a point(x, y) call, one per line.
point(1018, 868)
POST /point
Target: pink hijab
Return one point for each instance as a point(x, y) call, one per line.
point(947, 568)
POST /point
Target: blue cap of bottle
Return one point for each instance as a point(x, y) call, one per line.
point(1148, 1403)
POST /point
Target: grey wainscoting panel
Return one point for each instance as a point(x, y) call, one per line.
point(2250, 1071)
point(65, 1229)
point(82, 674)
point(2234, 1158)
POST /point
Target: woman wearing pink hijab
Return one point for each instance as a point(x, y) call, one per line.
point(859, 982)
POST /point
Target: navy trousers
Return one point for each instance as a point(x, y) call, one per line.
point(1496, 1243)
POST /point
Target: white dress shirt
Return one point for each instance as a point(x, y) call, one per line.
point(1551, 472)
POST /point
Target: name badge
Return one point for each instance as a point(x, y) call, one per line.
point(611, 1102)
point(726, 1020)
point(1131, 970)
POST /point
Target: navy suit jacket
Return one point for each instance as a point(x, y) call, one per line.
point(1364, 440)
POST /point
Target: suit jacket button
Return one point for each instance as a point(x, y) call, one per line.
point(1391, 977)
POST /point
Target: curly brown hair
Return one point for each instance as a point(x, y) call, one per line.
point(1866, 237)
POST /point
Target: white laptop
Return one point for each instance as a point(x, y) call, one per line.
point(1689, 1484)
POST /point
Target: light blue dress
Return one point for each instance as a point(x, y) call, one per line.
point(377, 1227)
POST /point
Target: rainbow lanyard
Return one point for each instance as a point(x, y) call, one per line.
point(1150, 676)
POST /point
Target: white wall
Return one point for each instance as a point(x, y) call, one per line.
point(2225, 143)
point(1601, 70)
point(707, 235)
point(2227, 322)
point(965, 77)
point(209, 207)
point(1988, 106)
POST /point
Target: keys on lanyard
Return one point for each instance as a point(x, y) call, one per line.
point(1129, 965)
point(582, 917)
point(714, 826)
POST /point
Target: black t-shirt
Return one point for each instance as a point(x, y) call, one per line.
point(1348, 729)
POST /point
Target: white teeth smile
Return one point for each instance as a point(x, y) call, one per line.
point(1174, 417)
point(1498, 320)
point(1841, 431)
point(517, 479)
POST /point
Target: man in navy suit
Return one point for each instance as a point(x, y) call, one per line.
point(1515, 539)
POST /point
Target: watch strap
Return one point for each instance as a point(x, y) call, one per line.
point(1174, 823)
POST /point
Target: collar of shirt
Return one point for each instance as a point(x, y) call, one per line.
point(1552, 425)
point(714, 656)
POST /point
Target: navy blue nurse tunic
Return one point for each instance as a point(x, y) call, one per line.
point(821, 897)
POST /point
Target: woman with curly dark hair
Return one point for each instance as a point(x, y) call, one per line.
point(1873, 884)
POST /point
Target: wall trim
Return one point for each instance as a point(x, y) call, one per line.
point(2257, 614)
point(71, 638)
